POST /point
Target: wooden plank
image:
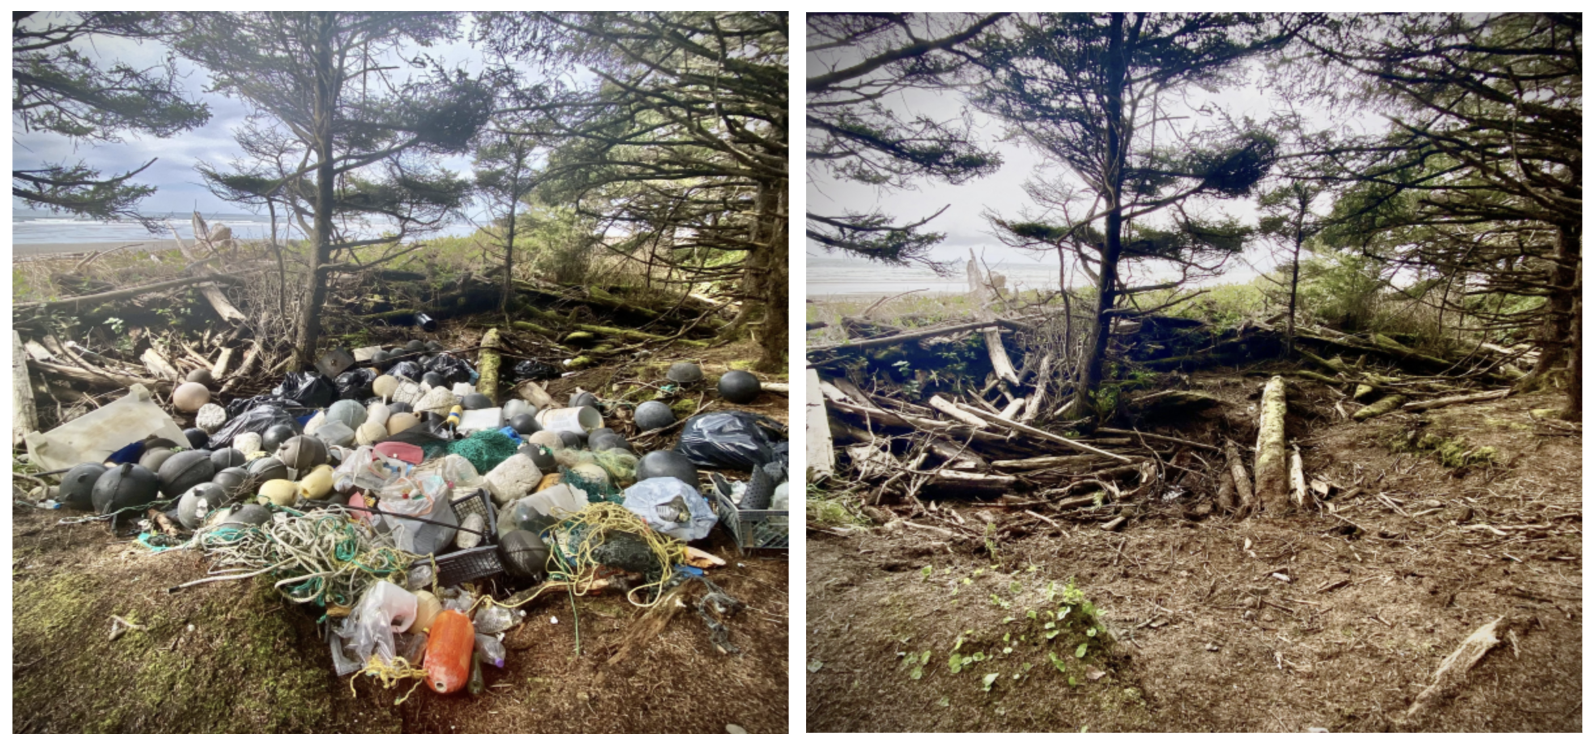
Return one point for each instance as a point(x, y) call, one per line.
point(820, 456)
point(24, 415)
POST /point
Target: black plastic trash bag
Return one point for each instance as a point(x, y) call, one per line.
point(732, 439)
point(355, 385)
point(452, 369)
point(535, 371)
point(310, 389)
point(408, 369)
point(240, 406)
point(256, 419)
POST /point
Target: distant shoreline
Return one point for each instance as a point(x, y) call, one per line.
point(26, 250)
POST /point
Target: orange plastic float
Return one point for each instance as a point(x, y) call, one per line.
point(449, 647)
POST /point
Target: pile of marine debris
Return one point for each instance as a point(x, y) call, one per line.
point(922, 415)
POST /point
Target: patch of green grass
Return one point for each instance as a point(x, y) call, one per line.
point(835, 510)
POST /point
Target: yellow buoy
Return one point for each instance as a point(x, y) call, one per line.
point(279, 491)
point(317, 483)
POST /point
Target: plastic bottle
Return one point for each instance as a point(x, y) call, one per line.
point(476, 684)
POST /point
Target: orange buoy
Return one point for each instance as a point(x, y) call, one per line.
point(449, 647)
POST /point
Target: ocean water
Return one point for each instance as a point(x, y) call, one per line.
point(841, 275)
point(33, 228)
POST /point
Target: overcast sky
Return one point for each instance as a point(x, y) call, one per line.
point(1002, 191)
point(179, 186)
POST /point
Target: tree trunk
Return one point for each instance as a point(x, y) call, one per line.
point(1091, 373)
point(1560, 297)
point(324, 104)
point(767, 277)
point(1576, 379)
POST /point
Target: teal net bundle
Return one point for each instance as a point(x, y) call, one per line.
point(483, 449)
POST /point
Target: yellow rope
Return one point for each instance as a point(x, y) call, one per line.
point(390, 674)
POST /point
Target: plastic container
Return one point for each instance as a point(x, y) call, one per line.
point(94, 437)
point(489, 419)
point(574, 419)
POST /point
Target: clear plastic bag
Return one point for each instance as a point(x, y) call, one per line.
point(491, 649)
point(671, 507)
point(494, 619)
point(384, 609)
point(365, 468)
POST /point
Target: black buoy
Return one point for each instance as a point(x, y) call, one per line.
point(738, 387)
point(604, 442)
point(77, 486)
point(685, 373)
point(584, 399)
point(152, 459)
point(125, 486)
point(476, 401)
point(432, 379)
point(573, 439)
point(226, 457)
point(664, 463)
point(525, 424)
point(185, 470)
point(653, 414)
point(275, 434)
point(541, 456)
point(265, 469)
point(197, 438)
point(525, 555)
point(233, 480)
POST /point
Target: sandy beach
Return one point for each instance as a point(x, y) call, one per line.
point(35, 250)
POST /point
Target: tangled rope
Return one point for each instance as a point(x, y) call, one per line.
point(576, 570)
point(327, 557)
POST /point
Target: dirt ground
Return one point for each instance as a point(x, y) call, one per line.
point(1309, 621)
point(235, 657)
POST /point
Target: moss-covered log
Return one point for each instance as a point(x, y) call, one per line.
point(634, 335)
point(488, 366)
point(1385, 405)
point(538, 328)
point(1269, 465)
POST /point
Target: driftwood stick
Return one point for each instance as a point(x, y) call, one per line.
point(24, 416)
point(130, 292)
point(1158, 437)
point(1246, 501)
point(1384, 405)
point(488, 365)
point(96, 378)
point(1021, 427)
point(1450, 675)
point(919, 334)
point(1460, 399)
point(953, 410)
point(821, 455)
point(1299, 482)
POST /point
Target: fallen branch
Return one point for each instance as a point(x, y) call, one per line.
point(1460, 399)
point(1449, 677)
point(920, 334)
point(953, 410)
point(1269, 463)
point(1021, 427)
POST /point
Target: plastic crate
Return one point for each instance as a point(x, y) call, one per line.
point(755, 529)
point(472, 563)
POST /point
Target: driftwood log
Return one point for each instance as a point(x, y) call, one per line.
point(488, 366)
point(820, 456)
point(24, 416)
point(1270, 483)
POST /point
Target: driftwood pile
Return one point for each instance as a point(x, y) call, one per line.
point(76, 352)
point(991, 445)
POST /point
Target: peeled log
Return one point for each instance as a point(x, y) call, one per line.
point(954, 482)
point(488, 366)
point(1385, 405)
point(1270, 484)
